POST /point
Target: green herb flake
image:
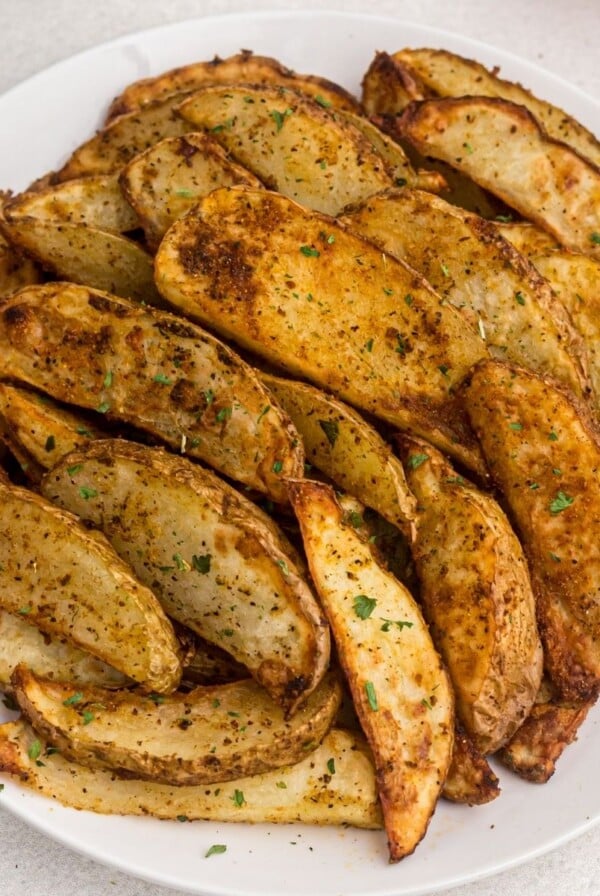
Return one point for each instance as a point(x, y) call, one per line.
point(415, 460)
point(280, 117)
point(309, 251)
point(519, 298)
point(398, 623)
point(443, 369)
point(331, 429)
point(356, 519)
point(50, 443)
point(400, 182)
point(426, 703)
point(277, 466)
point(74, 469)
point(87, 717)
point(282, 785)
point(238, 798)
point(534, 486)
point(264, 411)
point(87, 492)
point(408, 299)
point(185, 194)
point(103, 407)
point(401, 347)
point(331, 766)
point(595, 238)
point(468, 148)
point(553, 436)
point(504, 219)
point(283, 567)
point(322, 101)
point(516, 426)
point(554, 557)
point(108, 379)
point(157, 699)
point(444, 269)
point(560, 503)
point(35, 750)
point(1, 787)
point(369, 345)
point(24, 611)
point(215, 850)
point(364, 606)
point(371, 695)
point(163, 379)
point(209, 397)
point(388, 291)
point(201, 563)
point(224, 414)
point(216, 703)
point(182, 818)
point(557, 472)
point(455, 480)
point(73, 699)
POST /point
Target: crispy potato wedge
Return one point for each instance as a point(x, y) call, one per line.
point(527, 238)
point(211, 734)
point(544, 454)
point(16, 269)
point(441, 73)
point(291, 143)
point(215, 561)
point(38, 429)
point(148, 368)
point(533, 751)
point(295, 288)
point(166, 180)
point(470, 779)
point(96, 201)
point(243, 68)
point(476, 596)
point(122, 139)
point(69, 582)
point(86, 255)
point(389, 87)
point(340, 443)
point(50, 656)
point(502, 147)
point(400, 689)
point(304, 792)
point(499, 293)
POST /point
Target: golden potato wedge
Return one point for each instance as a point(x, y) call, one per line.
point(305, 792)
point(86, 255)
point(470, 779)
point(441, 73)
point(166, 180)
point(400, 689)
point(122, 139)
point(96, 201)
point(69, 582)
point(291, 143)
point(151, 369)
point(476, 596)
point(215, 561)
point(503, 148)
point(50, 656)
point(243, 68)
point(340, 443)
point(527, 238)
point(389, 87)
point(498, 292)
point(543, 452)
point(38, 429)
point(294, 287)
point(210, 734)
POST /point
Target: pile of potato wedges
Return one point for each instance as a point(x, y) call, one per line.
point(299, 396)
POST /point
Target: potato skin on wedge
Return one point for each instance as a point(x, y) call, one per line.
point(166, 376)
point(70, 583)
point(304, 792)
point(211, 734)
point(215, 561)
point(400, 689)
point(543, 453)
point(476, 596)
point(294, 287)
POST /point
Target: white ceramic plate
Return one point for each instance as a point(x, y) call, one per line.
point(44, 119)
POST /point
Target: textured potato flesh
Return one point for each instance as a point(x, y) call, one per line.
point(153, 370)
point(401, 692)
point(304, 792)
point(210, 734)
point(340, 443)
point(477, 597)
point(216, 563)
point(71, 584)
point(322, 303)
point(450, 75)
point(467, 263)
point(503, 149)
point(163, 183)
point(50, 656)
point(544, 456)
point(243, 68)
point(291, 143)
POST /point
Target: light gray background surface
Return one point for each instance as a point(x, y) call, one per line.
point(563, 36)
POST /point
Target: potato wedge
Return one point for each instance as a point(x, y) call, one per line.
point(122, 139)
point(208, 664)
point(243, 68)
point(544, 454)
point(87, 255)
point(389, 87)
point(70, 583)
point(502, 147)
point(340, 443)
point(295, 288)
point(96, 201)
point(166, 180)
point(155, 371)
point(470, 779)
point(215, 561)
point(498, 292)
point(527, 239)
point(400, 689)
point(476, 596)
point(291, 143)
point(211, 734)
point(16, 270)
point(50, 656)
point(304, 792)
point(441, 73)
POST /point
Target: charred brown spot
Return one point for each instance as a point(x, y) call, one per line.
point(96, 342)
point(18, 317)
point(222, 261)
point(176, 328)
point(107, 306)
point(186, 395)
point(186, 150)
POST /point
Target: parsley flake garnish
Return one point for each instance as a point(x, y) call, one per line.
point(224, 414)
point(364, 606)
point(201, 563)
point(35, 749)
point(595, 238)
point(280, 117)
point(322, 101)
point(108, 379)
point(310, 251)
point(277, 466)
point(331, 429)
point(103, 407)
point(87, 492)
point(88, 717)
point(73, 699)
point(369, 345)
point(238, 798)
point(519, 298)
point(74, 469)
point(560, 503)
point(415, 460)
point(371, 695)
point(331, 766)
point(399, 623)
point(516, 426)
point(163, 379)
point(215, 850)
point(553, 436)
